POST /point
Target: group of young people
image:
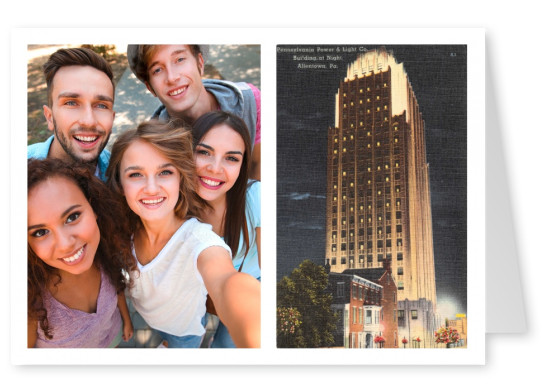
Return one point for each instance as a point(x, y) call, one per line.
point(169, 218)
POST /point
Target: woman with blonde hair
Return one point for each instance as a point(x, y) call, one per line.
point(179, 258)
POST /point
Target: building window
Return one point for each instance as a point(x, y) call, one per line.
point(400, 271)
point(400, 286)
point(368, 317)
point(400, 314)
point(340, 289)
point(413, 314)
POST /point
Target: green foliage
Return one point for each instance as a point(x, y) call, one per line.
point(304, 290)
point(102, 50)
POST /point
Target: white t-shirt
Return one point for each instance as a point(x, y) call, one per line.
point(169, 293)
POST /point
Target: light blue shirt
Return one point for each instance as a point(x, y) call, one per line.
point(40, 151)
point(252, 210)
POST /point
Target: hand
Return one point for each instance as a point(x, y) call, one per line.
point(127, 331)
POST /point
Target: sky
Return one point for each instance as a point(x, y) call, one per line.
point(306, 110)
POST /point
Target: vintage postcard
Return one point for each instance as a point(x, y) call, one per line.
point(372, 196)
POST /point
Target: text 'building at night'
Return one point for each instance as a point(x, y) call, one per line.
point(378, 197)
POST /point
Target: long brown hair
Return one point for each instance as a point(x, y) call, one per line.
point(235, 219)
point(113, 255)
point(174, 142)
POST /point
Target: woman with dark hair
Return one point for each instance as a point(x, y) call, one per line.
point(78, 259)
point(179, 257)
point(222, 150)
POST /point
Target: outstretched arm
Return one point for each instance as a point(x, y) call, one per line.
point(236, 296)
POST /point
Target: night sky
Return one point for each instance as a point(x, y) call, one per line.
point(306, 110)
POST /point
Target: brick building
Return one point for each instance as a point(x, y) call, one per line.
point(358, 303)
point(389, 300)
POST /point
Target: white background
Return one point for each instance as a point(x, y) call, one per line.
point(517, 59)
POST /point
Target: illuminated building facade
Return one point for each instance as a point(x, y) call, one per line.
point(378, 196)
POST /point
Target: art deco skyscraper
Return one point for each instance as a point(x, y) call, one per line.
point(378, 196)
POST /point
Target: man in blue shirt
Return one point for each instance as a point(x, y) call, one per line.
point(80, 112)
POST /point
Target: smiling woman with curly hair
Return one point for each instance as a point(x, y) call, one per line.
point(78, 259)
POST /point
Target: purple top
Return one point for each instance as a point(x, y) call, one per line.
point(78, 329)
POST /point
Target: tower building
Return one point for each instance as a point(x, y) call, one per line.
point(378, 196)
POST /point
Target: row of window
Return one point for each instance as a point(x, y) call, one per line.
point(413, 313)
point(362, 231)
point(361, 316)
point(369, 258)
point(352, 90)
point(369, 246)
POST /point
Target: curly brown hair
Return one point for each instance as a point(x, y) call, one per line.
point(113, 255)
point(172, 139)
